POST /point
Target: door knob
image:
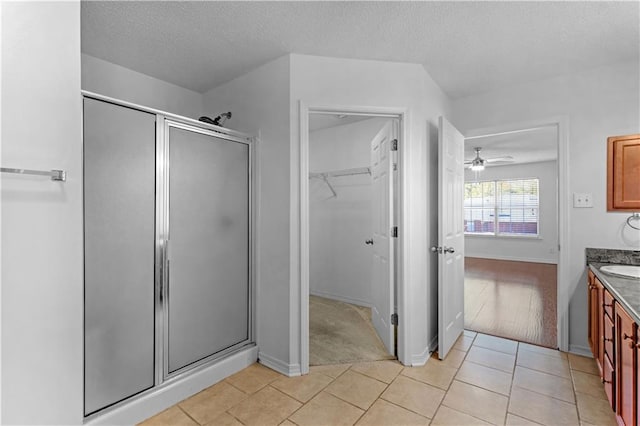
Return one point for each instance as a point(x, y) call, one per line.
point(449, 250)
point(436, 249)
point(369, 242)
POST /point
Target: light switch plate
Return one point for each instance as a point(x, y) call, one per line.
point(582, 200)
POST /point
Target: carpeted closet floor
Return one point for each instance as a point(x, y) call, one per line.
point(341, 333)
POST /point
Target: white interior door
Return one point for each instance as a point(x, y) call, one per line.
point(383, 256)
point(450, 249)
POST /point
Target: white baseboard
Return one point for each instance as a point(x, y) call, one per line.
point(340, 298)
point(512, 258)
point(281, 367)
point(167, 395)
point(421, 358)
point(581, 350)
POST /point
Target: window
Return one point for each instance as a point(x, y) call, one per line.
point(503, 207)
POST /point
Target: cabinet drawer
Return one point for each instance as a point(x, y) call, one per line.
point(608, 303)
point(608, 336)
point(608, 377)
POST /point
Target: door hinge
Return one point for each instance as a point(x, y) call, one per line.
point(394, 145)
point(394, 319)
point(394, 232)
point(395, 167)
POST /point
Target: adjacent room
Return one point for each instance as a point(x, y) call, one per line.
point(511, 235)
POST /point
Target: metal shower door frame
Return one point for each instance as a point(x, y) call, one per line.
point(164, 120)
point(163, 168)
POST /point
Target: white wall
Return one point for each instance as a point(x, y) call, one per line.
point(122, 83)
point(542, 249)
point(598, 103)
point(340, 264)
point(41, 219)
point(349, 82)
point(259, 101)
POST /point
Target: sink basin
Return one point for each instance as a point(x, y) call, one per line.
point(627, 271)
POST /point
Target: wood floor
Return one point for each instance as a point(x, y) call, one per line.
point(515, 300)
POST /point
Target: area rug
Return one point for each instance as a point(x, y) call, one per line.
point(342, 333)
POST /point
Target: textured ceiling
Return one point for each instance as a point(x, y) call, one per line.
point(467, 47)
point(527, 146)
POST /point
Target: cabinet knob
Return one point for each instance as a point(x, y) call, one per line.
point(605, 380)
point(604, 339)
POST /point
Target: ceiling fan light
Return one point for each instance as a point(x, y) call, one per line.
point(477, 165)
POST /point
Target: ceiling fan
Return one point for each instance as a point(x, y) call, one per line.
point(478, 163)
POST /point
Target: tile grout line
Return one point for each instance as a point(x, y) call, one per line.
point(187, 414)
point(513, 375)
point(341, 399)
point(454, 377)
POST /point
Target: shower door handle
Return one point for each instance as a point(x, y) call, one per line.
point(369, 242)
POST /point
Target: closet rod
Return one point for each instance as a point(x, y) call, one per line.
point(344, 172)
point(59, 175)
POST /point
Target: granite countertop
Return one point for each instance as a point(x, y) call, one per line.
point(625, 290)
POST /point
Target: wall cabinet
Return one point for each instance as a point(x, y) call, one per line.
point(623, 173)
point(615, 343)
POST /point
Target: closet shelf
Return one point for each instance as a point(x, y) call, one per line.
point(343, 172)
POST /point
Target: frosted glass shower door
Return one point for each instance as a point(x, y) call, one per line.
point(119, 207)
point(208, 248)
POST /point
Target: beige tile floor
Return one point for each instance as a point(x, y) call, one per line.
point(484, 380)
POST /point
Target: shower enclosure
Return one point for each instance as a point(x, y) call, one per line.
point(168, 248)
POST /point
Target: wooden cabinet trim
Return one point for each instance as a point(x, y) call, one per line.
point(626, 367)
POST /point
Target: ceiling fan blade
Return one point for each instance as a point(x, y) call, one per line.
point(506, 158)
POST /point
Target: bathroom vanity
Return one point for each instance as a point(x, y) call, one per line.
point(614, 316)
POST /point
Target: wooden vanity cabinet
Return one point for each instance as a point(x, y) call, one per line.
point(623, 173)
point(615, 342)
point(626, 367)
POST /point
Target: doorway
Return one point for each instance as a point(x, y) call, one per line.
point(511, 220)
point(349, 249)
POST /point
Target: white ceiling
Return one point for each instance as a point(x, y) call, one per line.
point(527, 146)
point(467, 47)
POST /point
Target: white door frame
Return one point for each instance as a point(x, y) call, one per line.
point(564, 207)
point(401, 114)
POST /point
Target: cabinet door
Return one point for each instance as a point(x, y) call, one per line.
point(119, 208)
point(623, 172)
point(625, 367)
